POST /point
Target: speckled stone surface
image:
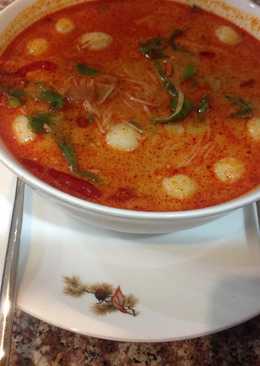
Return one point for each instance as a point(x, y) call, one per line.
point(36, 343)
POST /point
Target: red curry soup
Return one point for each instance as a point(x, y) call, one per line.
point(145, 105)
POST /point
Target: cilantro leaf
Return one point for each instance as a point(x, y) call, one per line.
point(189, 72)
point(186, 109)
point(69, 155)
point(243, 108)
point(39, 120)
point(153, 48)
point(86, 70)
point(55, 99)
point(203, 107)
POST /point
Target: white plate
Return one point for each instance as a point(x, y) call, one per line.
point(188, 284)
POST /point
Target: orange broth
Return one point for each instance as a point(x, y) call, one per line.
point(70, 150)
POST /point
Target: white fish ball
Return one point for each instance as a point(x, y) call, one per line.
point(229, 170)
point(180, 186)
point(123, 137)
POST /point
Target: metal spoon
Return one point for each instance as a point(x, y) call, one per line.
point(8, 289)
point(258, 213)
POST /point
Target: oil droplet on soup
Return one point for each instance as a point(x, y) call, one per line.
point(228, 35)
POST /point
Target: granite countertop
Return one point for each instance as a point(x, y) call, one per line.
point(36, 343)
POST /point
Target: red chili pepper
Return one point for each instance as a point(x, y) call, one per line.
point(63, 181)
point(168, 68)
point(123, 194)
point(38, 65)
point(3, 99)
point(248, 83)
point(82, 122)
point(207, 54)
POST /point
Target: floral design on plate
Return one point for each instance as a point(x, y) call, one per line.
point(108, 298)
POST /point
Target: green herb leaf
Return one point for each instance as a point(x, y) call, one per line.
point(203, 107)
point(244, 109)
point(175, 34)
point(14, 102)
point(37, 121)
point(187, 108)
point(69, 155)
point(153, 48)
point(90, 176)
point(167, 83)
point(52, 97)
point(174, 103)
point(185, 111)
point(15, 98)
point(189, 72)
point(86, 70)
point(17, 93)
point(172, 41)
point(90, 117)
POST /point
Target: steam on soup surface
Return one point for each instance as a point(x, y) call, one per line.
point(148, 105)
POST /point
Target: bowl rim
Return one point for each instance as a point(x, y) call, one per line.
point(95, 208)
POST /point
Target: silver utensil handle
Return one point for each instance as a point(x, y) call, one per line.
point(258, 213)
point(8, 286)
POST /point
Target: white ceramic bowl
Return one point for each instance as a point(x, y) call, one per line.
point(242, 12)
